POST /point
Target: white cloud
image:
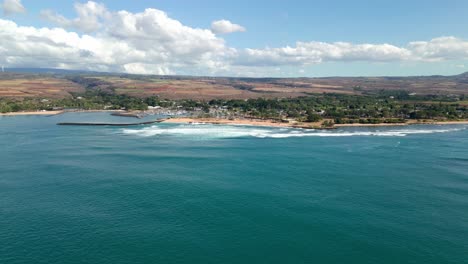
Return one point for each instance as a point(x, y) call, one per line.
point(146, 42)
point(141, 68)
point(12, 7)
point(305, 53)
point(90, 17)
point(226, 27)
point(438, 49)
point(154, 30)
point(151, 42)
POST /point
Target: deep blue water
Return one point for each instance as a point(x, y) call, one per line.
point(173, 193)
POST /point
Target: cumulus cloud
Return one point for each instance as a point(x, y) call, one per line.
point(141, 68)
point(151, 42)
point(305, 53)
point(226, 27)
point(90, 17)
point(438, 49)
point(153, 30)
point(145, 42)
point(12, 7)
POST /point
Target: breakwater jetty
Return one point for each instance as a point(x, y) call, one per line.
point(111, 124)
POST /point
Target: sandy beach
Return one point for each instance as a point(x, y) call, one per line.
point(372, 125)
point(56, 112)
point(409, 123)
point(32, 113)
point(464, 122)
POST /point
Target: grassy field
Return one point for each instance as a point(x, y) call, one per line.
point(37, 86)
point(205, 88)
point(242, 88)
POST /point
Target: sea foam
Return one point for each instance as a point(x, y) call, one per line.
point(206, 131)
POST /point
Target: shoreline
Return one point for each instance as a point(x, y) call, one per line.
point(409, 123)
point(239, 122)
point(271, 123)
point(220, 121)
point(52, 113)
point(28, 113)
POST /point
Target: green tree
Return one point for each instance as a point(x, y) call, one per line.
point(312, 116)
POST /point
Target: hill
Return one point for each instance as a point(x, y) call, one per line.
point(61, 83)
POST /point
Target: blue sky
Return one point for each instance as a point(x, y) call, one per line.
point(281, 24)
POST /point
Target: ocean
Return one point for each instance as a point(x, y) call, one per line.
point(194, 193)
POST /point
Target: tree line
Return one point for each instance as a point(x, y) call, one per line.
point(340, 108)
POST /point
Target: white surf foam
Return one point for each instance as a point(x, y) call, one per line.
point(204, 131)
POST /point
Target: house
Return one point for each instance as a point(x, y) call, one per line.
point(154, 107)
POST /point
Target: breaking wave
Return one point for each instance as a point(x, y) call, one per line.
point(205, 131)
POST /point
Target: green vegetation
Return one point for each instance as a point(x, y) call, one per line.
point(312, 116)
point(90, 100)
point(385, 107)
point(371, 109)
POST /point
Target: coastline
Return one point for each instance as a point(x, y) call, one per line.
point(317, 125)
point(239, 122)
point(465, 122)
point(409, 123)
point(50, 113)
point(220, 121)
point(32, 113)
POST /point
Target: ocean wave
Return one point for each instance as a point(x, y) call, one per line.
point(204, 131)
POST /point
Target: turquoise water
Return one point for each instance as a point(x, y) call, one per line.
point(172, 193)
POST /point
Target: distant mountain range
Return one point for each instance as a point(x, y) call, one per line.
point(64, 71)
point(45, 71)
